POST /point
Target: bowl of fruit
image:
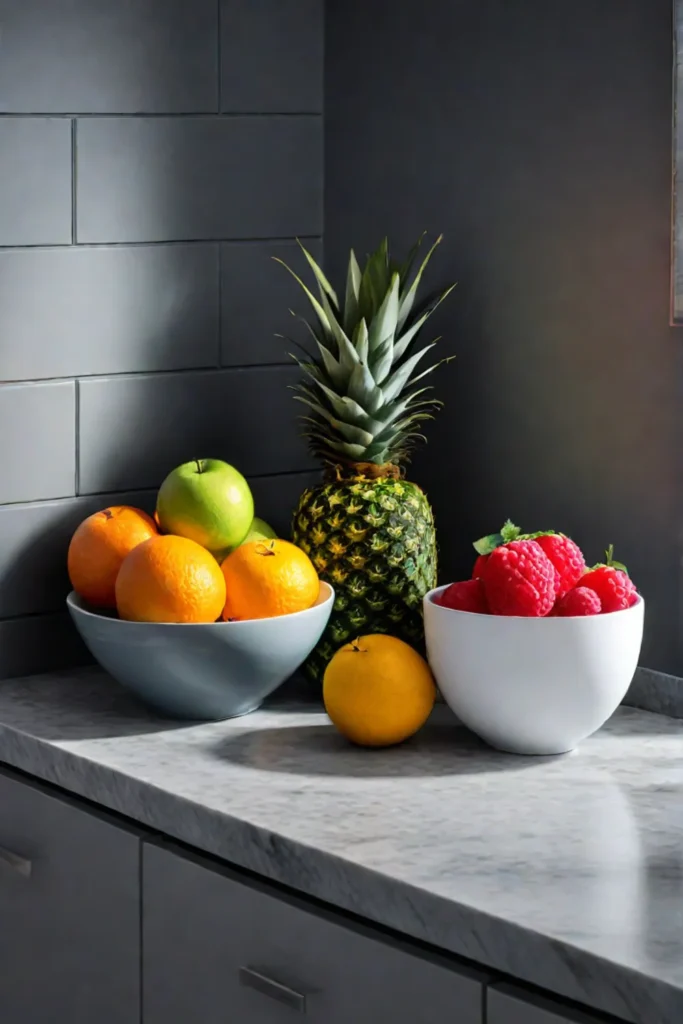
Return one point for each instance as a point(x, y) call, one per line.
point(196, 622)
point(536, 651)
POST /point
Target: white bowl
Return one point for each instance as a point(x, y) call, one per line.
point(532, 685)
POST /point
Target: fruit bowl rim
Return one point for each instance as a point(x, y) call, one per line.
point(430, 596)
point(78, 603)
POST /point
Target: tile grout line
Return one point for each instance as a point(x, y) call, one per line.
point(219, 75)
point(189, 371)
point(219, 353)
point(155, 244)
point(77, 438)
point(73, 182)
point(47, 613)
point(223, 115)
point(117, 492)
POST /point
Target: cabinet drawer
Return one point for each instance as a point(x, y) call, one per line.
point(507, 1005)
point(219, 950)
point(69, 912)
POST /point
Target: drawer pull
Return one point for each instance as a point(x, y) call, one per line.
point(251, 978)
point(18, 864)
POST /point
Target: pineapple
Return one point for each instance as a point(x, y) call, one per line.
point(369, 532)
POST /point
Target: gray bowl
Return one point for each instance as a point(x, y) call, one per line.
point(202, 671)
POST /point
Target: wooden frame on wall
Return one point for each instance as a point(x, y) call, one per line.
point(677, 206)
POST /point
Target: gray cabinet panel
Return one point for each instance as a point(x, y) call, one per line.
point(69, 940)
point(217, 950)
point(506, 1005)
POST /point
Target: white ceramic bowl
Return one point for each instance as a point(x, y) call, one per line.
point(532, 685)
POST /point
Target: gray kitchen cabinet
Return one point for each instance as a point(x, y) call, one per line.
point(69, 912)
point(217, 949)
point(508, 1005)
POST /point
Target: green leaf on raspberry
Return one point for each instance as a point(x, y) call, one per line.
point(610, 562)
point(485, 545)
point(509, 532)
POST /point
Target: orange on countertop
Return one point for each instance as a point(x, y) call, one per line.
point(265, 578)
point(99, 546)
point(170, 579)
point(378, 690)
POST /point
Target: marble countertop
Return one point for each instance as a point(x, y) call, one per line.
point(566, 873)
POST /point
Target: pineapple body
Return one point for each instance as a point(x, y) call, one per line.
point(374, 541)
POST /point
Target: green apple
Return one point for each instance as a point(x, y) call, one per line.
point(208, 501)
point(260, 530)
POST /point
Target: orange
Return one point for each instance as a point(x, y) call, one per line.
point(170, 579)
point(378, 691)
point(99, 546)
point(266, 578)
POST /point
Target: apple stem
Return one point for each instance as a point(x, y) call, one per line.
point(199, 465)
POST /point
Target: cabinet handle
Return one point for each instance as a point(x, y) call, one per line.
point(251, 978)
point(18, 864)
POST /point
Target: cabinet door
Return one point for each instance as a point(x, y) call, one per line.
point(217, 950)
point(69, 912)
point(506, 1005)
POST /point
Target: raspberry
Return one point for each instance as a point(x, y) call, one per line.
point(613, 586)
point(579, 601)
point(478, 570)
point(465, 597)
point(612, 583)
point(520, 579)
point(485, 545)
point(567, 558)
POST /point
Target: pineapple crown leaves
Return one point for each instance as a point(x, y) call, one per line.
point(359, 379)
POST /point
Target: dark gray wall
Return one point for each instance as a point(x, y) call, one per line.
point(537, 137)
point(153, 156)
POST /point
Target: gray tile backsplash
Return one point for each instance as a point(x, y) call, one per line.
point(107, 310)
point(155, 56)
point(38, 431)
point(134, 430)
point(138, 299)
point(256, 294)
point(35, 172)
point(39, 643)
point(168, 178)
